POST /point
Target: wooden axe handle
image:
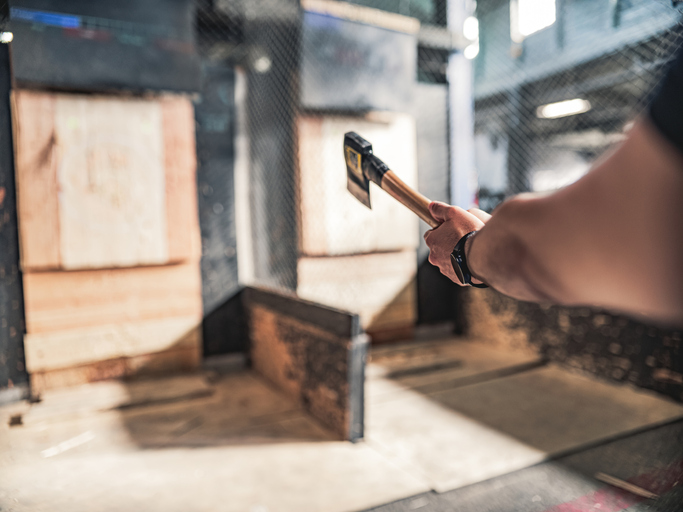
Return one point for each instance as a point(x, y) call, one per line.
point(410, 198)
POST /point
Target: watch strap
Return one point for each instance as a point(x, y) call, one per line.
point(459, 262)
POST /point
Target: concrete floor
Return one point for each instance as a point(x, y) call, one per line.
point(451, 417)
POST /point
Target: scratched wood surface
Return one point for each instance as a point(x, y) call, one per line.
point(36, 169)
point(71, 300)
point(64, 349)
point(105, 181)
point(333, 222)
point(311, 360)
point(111, 182)
point(180, 163)
point(380, 287)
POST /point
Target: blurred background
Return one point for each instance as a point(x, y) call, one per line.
point(161, 158)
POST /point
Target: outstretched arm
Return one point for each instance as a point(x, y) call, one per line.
point(613, 239)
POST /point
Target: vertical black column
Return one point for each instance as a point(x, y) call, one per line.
point(215, 131)
point(519, 150)
point(13, 374)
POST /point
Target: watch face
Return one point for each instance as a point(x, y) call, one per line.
point(458, 271)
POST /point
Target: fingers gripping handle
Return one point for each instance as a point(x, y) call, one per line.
point(410, 198)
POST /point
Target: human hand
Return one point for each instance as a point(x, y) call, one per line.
point(455, 223)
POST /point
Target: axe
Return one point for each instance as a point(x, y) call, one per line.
point(362, 167)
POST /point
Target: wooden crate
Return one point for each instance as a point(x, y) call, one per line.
point(333, 222)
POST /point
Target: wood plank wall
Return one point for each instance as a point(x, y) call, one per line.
point(351, 257)
point(109, 235)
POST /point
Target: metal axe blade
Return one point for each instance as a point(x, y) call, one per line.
point(362, 167)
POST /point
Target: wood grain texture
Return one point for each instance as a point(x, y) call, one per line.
point(181, 360)
point(408, 197)
point(306, 363)
point(36, 160)
point(71, 300)
point(64, 349)
point(105, 181)
point(180, 162)
point(333, 222)
point(322, 370)
point(379, 287)
point(112, 207)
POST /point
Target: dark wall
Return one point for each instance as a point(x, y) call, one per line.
point(613, 347)
point(12, 367)
point(215, 132)
point(435, 293)
point(81, 44)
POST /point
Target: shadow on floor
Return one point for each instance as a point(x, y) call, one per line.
point(241, 409)
point(651, 459)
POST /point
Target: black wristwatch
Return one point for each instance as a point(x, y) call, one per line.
point(459, 262)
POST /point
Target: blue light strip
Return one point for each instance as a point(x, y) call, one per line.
point(45, 18)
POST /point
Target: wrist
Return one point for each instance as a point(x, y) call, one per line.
point(459, 263)
point(470, 263)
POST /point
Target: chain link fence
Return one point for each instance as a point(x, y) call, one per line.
point(551, 93)
point(548, 104)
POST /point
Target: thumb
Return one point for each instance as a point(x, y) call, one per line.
point(439, 210)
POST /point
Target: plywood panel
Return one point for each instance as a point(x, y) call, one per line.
point(379, 287)
point(63, 349)
point(105, 181)
point(314, 354)
point(180, 162)
point(333, 222)
point(70, 300)
point(111, 182)
point(36, 163)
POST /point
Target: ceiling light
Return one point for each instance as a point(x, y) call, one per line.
point(471, 51)
point(563, 108)
point(470, 28)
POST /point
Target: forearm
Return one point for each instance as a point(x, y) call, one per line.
point(612, 239)
point(502, 256)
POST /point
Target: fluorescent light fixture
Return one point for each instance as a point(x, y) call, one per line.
point(563, 108)
point(470, 28)
point(471, 51)
point(6, 37)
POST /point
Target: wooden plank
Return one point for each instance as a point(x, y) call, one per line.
point(322, 369)
point(64, 349)
point(70, 300)
point(379, 287)
point(111, 181)
point(182, 360)
point(36, 161)
point(333, 222)
point(180, 162)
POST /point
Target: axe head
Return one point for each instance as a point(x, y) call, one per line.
point(356, 153)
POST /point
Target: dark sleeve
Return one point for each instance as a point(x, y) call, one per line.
point(666, 109)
